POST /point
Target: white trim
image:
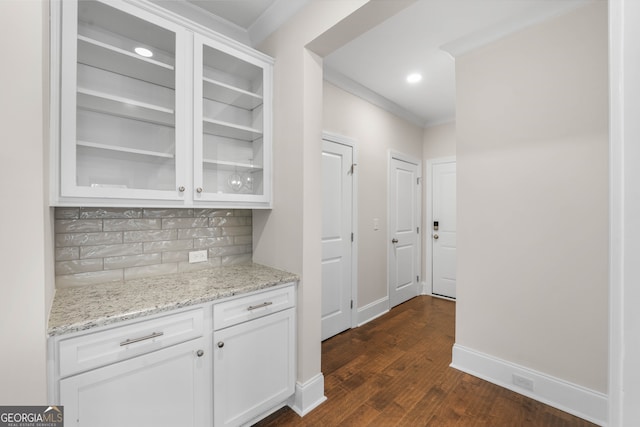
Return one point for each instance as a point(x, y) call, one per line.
point(273, 18)
point(373, 310)
point(350, 142)
point(308, 396)
point(428, 243)
point(572, 398)
point(345, 83)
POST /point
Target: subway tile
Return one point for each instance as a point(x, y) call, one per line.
point(88, 213)
point(192, 233)
point(87, 239)
point(175, 256)
point(243, 240)
point(149, 235)
point(210, 242)
point(229, 250)
point(67, 213)
point(91, 278)
point(184, 266)
point(167, 213)
point(234, 221)
point(150, 271)
point(242, 212)
point(212, 212)
point(102, 251)
point(168, 245)
point(236, 231)
point(236, 259)
point(78, 266)
point(111, 263)
point(184, 223)
point(131, 224)
point(67, 253)
point(77, 225)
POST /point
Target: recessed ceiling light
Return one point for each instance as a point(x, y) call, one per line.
point(414, 77)
point(143, 51)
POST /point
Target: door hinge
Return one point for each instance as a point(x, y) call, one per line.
point(352, 169)
point(418, 230)
point(418, 180)
point(351, 303)
point(418, 279)
point(351, 237)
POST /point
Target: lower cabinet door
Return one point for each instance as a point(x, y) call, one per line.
point(169, 387)
point(254, 367)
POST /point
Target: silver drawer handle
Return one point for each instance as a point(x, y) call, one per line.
point(264, 304)
point(147, 337)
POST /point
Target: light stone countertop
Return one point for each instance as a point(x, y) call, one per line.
point(86, 307)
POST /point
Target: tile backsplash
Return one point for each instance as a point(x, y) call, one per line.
point(95, 245)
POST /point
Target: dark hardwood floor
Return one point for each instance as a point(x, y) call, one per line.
point(394, 371)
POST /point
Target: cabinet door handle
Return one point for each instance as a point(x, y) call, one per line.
point(199, 189)
point(181, 189)
point(220, 344)
point(264, 304)
point(200, 353)
point(146, 337)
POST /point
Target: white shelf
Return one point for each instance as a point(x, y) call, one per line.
point(111, 58)
point(124, 107)
point(230, 130)
point(124, 149)
point(232, 166)
point(222, 92)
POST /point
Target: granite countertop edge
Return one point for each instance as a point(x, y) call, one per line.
point(87, 307)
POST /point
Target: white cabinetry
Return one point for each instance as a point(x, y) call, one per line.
point(254, 360)
point(184, 121)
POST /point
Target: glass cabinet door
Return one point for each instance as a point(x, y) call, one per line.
point(122, 103)
point(232, 138)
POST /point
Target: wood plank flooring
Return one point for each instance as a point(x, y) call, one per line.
point(394, 371)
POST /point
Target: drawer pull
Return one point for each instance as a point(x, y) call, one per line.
point(147, 337)
point(264, 304)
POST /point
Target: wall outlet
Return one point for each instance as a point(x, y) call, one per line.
point(197, 256)
point(523, 382)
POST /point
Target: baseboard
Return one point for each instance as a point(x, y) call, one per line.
point(372, 310)
point(424, 289)
point(574, 399)
point(308, 396)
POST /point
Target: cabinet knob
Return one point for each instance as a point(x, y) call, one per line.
point(220, 344)
point(199, 189)
point(200, 353)
point(181, 189)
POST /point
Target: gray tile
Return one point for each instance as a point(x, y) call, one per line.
point(175, 256)
point(77, 225)
point(83, 279)
point(242, 212)
point(236, 231)
point(103, 251)
point(67, 213)
point(150, 271)
point(67, 253)
point(212, 212)
point(87, 213)
point(167, 213)
point(210, 242)
point(78, 266)
point(236, 259)
point(192, 233)
point(185, 223)
point(84, 239)
point(115, 262)
point(131, 224)
point(168, 245)
point(243, 240)
point(233, 221)
point(149, 236)
point(184, 267)
point(229, 250)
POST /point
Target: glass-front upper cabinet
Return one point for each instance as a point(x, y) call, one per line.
point(232, 124)
point(123, 125)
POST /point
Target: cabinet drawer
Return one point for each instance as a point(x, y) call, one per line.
point(252, 307)
point(119, 343)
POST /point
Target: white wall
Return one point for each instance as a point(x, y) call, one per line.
point(376, 132)
point(25, 253)
point(532, 153)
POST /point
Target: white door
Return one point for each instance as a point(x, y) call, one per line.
point(337, 199)
point(443, 229)
point(404, 233)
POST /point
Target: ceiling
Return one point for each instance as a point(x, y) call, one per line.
point(422, 38)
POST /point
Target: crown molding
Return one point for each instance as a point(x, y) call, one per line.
point(273, 18)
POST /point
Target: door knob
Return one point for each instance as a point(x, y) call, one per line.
point(436, 237)
point(394, 240)
point(200, 353)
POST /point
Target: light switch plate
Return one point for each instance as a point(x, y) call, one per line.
point(197, 256)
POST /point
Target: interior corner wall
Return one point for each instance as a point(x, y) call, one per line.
point(376, 131)
point(23, 306)
point(532, 158)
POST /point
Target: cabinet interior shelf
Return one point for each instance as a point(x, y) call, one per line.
point(124, 107)
point(230, 130)
point(227, 94)
point(232, 166)
point(111, 58)
point(124, 149)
